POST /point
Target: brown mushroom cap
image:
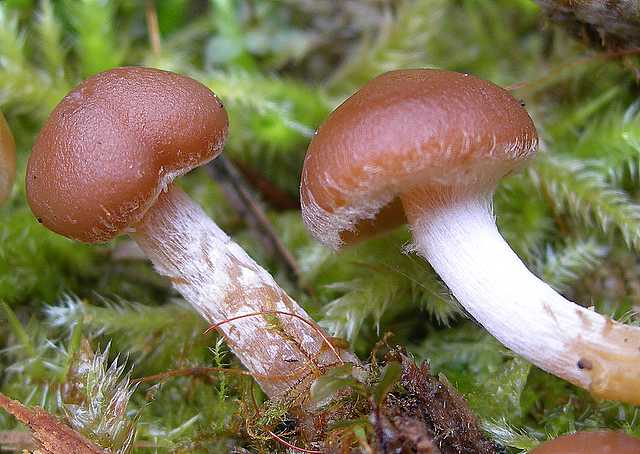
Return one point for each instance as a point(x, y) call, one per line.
point(113, 143)
point(403, 129)
point(7, 159)
point(602, 442)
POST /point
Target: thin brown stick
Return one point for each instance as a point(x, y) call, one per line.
point(189, 371)
point(152, 27)
point(580, 61)
point(195, 371)
point(290, 314)
point(289, 445)
point(277, 198)
point(242, 200)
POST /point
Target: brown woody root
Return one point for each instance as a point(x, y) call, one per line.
point(428, 416)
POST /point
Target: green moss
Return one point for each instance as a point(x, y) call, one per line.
point(280, 67)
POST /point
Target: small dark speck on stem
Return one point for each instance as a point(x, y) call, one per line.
point(584, 363)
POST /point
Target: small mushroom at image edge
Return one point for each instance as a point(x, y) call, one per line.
point(104, 164)
point(598, 442)
point(429, 147)
point(7, 160)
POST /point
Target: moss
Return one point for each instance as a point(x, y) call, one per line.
point(280, 67)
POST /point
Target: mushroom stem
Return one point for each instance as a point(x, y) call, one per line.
point(457, 234)
point(222, 282)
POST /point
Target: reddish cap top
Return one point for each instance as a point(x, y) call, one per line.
point(113, 143)
point(7, 159)
point(403, 129)
point(602, 442)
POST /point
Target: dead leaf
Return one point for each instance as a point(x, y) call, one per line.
point(50, 434)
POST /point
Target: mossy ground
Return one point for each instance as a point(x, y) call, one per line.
point(280, 67)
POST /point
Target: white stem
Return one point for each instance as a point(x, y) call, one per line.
point(222, 282)
point(458, 236)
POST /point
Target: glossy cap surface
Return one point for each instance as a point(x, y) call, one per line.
point(602, 442)
point(7, 159)
point(405, 129)
point(113, 143)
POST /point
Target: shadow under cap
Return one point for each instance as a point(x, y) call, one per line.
point(113, 143)
point(405, 129)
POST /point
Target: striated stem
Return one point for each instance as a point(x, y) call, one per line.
point(458, 236)
point(283, 353)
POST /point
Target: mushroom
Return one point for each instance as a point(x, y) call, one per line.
point(103, 165)
point(600, 442)
point(429, 146)
point(7, 160)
